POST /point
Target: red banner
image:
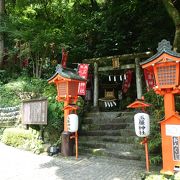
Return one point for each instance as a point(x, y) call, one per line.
point(64, 58)
point(127, 81)
point(83, 72)
point(149, 78)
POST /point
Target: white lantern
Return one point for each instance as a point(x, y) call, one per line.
point(72, 122)
point(142, 124)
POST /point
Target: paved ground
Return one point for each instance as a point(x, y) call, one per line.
point(16, 164)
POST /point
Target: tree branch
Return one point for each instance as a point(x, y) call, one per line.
point(173, 12)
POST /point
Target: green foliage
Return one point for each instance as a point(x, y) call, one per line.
point(85, 28)
point(26, 139)
point(163, 177)
point(55, 114)
point(25, 88)
point(156, 112)
point(156, 177)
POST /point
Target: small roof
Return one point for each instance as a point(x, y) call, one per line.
point(138, 104)
point(176, 116)
point(66, 73)
point(71, 107)
point(163, 47)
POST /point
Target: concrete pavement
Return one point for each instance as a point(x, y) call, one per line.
point(16, 164)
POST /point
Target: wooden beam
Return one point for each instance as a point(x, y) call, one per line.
point(96, 85)
point(110, 68)
point(103, 60)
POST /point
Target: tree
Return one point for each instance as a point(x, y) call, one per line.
point(2, 9)
point(173, 8)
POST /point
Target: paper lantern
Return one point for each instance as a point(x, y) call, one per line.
point(72, 122)
point(142, 124)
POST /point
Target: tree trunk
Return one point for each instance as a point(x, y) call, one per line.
point(175, 15)
point(2, 9)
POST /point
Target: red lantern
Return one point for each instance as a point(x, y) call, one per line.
point(165, 65)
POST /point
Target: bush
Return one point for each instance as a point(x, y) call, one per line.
point(156, 112)
point(21, 138)
point(55, 115)
point(23, 88)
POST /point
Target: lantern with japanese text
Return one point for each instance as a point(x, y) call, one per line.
point(165, 67)
point(142, 124)
point(72, 122)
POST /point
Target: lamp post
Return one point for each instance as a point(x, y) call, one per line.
point(67, 81)
point(142, 125)
point(165, 67)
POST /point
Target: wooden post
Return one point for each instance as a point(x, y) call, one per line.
point(147, 154)
point(66, 113)
point(96, 85)
point(138, 79)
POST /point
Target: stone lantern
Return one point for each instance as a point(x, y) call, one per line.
point(165, 66)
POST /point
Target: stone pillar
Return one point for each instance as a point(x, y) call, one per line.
point(138, 78)
point(96, 85)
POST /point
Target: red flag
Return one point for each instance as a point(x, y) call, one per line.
point(149, 78)
point(127, 81)
point(64, 58)
point(83, 72)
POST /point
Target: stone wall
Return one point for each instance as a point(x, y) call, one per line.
point(9, 116)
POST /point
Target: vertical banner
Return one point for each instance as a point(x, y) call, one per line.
point(127, 81)
point(83, 72)
point(149, 78)
point(64, 58)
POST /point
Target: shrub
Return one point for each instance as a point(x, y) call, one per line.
point(55, 115)
point(156, 112)
point(21, 138)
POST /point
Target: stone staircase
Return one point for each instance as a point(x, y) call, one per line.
point(110, 134)
point(9, 116)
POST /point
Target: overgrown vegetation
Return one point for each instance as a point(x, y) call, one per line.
point(23, 88)
point(25, 139)
point(162, 177)
point(156, 112)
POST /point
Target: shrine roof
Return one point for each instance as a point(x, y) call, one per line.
point(176, 116)
point(138, 104)
point(66, 73)
point(163, 47)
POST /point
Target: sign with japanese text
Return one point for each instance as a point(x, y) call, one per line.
point(83, 72)
point(175, 146)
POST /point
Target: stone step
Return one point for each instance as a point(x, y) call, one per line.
point(111, 153)
point(108, 115)
point(112, 126)
point(9, 109)
point(100, 120)
point(9, 114)
point(110, 145)
point(120, 139)
point(121, 132)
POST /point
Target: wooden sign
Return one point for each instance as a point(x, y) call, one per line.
point(115, 63)
point(34, 111)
